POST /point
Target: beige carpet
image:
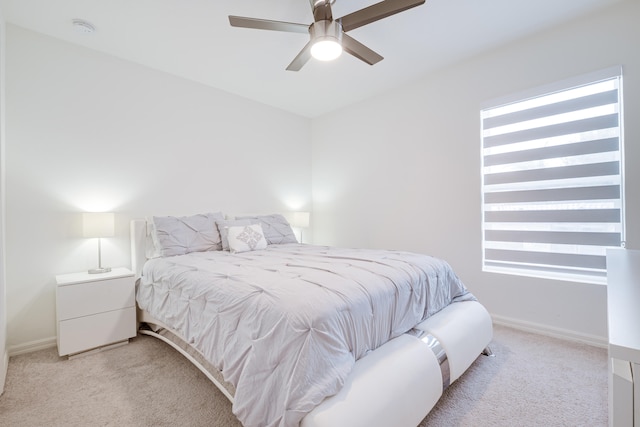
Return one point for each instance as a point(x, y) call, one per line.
point(532, 381)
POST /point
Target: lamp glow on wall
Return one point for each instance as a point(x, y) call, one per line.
point(300, 220)
point(98, 224)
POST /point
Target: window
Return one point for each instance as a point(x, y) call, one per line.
point(552, 180)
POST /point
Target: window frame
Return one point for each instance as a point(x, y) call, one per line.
point(538, 92)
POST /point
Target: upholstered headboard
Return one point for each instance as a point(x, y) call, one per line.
point(138, 245)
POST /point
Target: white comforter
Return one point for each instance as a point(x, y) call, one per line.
point(285, 325)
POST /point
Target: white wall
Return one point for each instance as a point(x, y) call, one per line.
point(4, 355)
point(403, 170)
point(87, 131)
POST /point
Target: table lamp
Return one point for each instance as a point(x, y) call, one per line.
point(300, 220)
point(98, 224)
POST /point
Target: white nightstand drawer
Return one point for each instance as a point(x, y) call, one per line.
point(95, 310)
point(88, 298)
point(84, 333)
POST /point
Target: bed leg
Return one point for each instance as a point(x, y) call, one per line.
point(488, 352)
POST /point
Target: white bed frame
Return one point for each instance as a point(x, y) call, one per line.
point(395, 385)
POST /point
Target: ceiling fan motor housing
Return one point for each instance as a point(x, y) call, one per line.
point(326, 30)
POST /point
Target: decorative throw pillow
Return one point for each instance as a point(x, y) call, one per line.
point(244, 238)
point(182, 235)
point(276, 228)
point(223, 229)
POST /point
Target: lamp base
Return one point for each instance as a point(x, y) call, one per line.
point(100, 270)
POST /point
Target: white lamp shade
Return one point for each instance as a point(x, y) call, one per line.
point(300, 219)
point(98, 224)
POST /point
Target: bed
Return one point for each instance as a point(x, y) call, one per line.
point(296, 334)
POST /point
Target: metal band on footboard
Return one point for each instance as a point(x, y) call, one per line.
point(437, 349)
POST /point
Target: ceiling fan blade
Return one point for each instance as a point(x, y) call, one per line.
point(375, 12)
point(360, 51)
point(301, 58)
point(321, 10)
point(265, 24)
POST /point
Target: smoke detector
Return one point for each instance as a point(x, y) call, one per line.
point(83, 27)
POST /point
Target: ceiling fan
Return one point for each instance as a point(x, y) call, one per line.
point(328, 35)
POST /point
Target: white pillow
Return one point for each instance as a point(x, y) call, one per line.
point(182, 235)
point(152, 247)
point(243, 238)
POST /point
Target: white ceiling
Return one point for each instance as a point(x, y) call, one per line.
point(193, 39)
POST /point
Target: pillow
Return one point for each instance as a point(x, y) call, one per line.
point(182, 235)
point(152, 247)
point(223, 229)
point(276, 228)
point(244, 238)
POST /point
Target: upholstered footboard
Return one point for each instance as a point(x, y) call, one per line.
point(400, 382)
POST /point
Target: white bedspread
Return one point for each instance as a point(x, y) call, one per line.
point(286, 324)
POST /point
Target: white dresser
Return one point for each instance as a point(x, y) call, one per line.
point(623, 304)
point(95, 310)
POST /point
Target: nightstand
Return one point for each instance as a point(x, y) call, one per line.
point(95, 310)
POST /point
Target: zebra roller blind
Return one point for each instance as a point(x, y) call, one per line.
point(552, 182)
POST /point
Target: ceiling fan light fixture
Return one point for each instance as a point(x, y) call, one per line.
point(326, 49)
point(328, 36)
point(327, 40)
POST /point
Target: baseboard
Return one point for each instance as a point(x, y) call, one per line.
point(538, 328)
point(32, 346)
